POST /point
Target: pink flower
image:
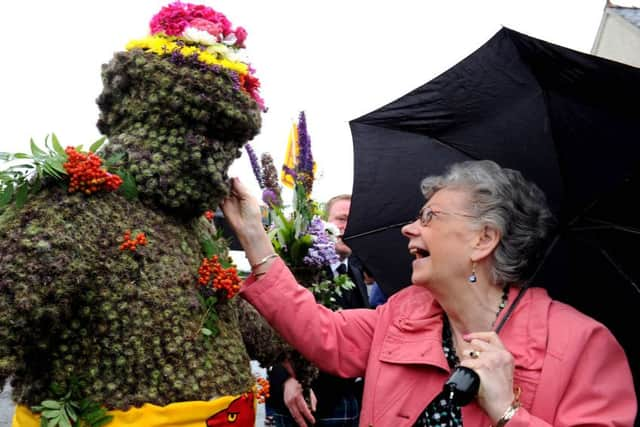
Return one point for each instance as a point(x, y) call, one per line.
point(241, 36)
point(215, 29)
point(174, 18)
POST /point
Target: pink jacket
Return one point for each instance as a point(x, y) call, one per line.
point(571, 370)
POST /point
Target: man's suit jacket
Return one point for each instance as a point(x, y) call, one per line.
point(358, 296)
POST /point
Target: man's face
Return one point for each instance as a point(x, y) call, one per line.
point(338, 216)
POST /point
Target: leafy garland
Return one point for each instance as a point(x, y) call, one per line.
point(30, 171)
point(218, 281)
point(68, 409)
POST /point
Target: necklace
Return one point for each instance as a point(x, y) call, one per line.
point(503, 304)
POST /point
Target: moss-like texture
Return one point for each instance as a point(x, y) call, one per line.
point(127, 324)
point(180, 125)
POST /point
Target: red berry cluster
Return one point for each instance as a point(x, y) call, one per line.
point(209, 215)
point(224, 279)
point(132, 244)
point(262, 389)
point(86, 174)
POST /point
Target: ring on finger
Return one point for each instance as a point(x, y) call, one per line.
point(474, 354)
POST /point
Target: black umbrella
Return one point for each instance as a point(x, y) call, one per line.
point(567, 120)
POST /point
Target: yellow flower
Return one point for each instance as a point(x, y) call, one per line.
point(164, 46)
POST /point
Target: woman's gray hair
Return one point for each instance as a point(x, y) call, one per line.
point(503, 199)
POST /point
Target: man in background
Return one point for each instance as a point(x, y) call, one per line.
point(334, 401)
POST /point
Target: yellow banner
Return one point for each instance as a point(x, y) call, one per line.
point(236, 411)
point(290, 156)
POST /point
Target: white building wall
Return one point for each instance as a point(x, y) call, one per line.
point(618, 40)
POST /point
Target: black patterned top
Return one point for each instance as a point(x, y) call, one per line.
point(441, 412)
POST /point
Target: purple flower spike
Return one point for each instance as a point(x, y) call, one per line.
point(257, 172)
point(270, 181)
point(305, 158)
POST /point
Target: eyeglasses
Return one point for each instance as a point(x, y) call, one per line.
point(426, 214)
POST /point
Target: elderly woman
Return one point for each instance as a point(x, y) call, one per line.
point(475, 241)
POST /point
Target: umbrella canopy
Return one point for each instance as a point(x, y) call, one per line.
point(567, 120)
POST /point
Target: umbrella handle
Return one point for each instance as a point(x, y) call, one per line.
point(509, 311)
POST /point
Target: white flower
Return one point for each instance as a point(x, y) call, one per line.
point(230, 39)
point(224, 51)
point(199, 36)
point(332, 230)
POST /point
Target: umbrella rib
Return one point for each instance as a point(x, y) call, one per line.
point(604, 225)
point(378, 230)
point(619, 269)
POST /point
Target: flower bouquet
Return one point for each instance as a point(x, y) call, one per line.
point(304, 241)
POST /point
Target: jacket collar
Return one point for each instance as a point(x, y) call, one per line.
point(415, 333)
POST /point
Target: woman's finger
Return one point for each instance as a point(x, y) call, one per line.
point(489, 337)
point(481, 345)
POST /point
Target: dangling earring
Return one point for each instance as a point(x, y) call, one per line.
point(473, 278)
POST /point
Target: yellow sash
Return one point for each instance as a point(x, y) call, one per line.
point(236, 411)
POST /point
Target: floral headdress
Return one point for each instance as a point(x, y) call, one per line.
point(185, 31)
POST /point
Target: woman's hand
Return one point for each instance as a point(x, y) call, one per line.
point(494, 364)
point(242, 213)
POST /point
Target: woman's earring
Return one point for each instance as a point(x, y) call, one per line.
point(473, 278)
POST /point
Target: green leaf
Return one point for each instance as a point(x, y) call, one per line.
point(20, 166)
point(128, 187)
point(57, 389)
point(52, 413)
point(56, 146)
point(35, 150)
point(57, 164)
point(6, 156)
point(7, 194)
point(21, 196)
point(51, 404)
point(96, 145)
point(115, 158)
point(54, 421)
point(300, 247)
point(103, 421)
point(64, 421)
point(208, 247)
point(50, 170)
point(43, 422)
point(71, 413)
point(206, 332)
point(36, 185)
point(96, 416)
